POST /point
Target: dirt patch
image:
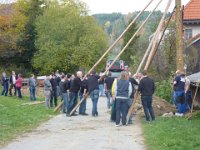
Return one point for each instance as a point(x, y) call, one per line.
point(160, 106)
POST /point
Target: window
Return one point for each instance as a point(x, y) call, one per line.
point(188, 34)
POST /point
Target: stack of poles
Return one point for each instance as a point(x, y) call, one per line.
point(151, 51)
point(122, 51)
point(108, 50)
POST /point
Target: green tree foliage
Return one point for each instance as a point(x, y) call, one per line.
point(67, 38)
point(131, 50)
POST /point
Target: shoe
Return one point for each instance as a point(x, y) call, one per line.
point(84, 114)
point(117, 125)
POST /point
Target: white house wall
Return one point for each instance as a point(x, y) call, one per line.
point(195, 29)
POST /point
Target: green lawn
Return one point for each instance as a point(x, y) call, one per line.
point(173, 134)
point(16, 118)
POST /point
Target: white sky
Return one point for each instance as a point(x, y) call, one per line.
point(124, 6)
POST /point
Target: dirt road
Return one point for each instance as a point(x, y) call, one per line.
point(81, 133)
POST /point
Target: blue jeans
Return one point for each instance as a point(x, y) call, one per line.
point(94, 95)
point(130, 102)
point(32, 93)
point(148, 109)
point(101, 90)
point(65, 102)
point(72, 101)
point(82, 107)
point(5, 90)
point(109, 98)
point(19, 92)
point(121, 108)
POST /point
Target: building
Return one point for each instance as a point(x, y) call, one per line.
point(191, 26)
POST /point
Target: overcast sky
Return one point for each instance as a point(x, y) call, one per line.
point(124, 6)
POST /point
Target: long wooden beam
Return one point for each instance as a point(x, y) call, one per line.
point(157, 36)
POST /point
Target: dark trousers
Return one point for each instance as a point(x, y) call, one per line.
point(5, 90)
point(121, 108)
point(73, 96)
point(53, 97)
point(19, 92)
point(11, 87)
point(147, 106)
point(82, 107)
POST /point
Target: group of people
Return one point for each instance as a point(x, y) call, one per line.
point(119, 92)
point(10, 83)
point(123, 91)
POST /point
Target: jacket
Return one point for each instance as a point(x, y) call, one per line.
point(123, 89)
point(19, 82)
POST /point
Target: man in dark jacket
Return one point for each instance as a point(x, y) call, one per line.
point(147, 88)
point(93, 90)
point(74, 89)
point(64, 87)
point(4, 84)
point(107, 86)
point(54, 90)
point(82, 108)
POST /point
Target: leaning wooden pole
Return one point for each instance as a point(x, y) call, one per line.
point(117, 57)
point(136, 33)
point(111, 47)
point(150, 45)
point(155, 38)
point(151, 55)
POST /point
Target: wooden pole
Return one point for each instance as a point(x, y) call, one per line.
point(179, 36)
point(195, 95)
point(118, 39)
point(157, 36)
point(136, 33)
point(136, 95)
point(111, 47)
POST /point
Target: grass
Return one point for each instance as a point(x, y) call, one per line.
point(173, 134)
point(16, 119)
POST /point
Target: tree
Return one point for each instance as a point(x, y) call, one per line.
point(67, 38)
point(131, 51)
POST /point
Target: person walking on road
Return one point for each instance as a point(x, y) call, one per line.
point(32, 87)
point(123, 90)
point(147, 88)
point(5, 84)
point(47, 91)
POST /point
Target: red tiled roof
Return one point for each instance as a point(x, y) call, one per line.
point(192, 10)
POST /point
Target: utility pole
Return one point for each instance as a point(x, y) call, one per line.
point(179, 36)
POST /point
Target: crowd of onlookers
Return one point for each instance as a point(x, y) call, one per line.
point(13, 82)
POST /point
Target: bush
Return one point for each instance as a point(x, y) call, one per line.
point(164, 89)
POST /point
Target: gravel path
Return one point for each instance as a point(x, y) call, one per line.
point(81, 133)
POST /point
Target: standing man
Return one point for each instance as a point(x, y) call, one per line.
point(64, 87)
point(74, 89)
point(13, 79)
point(4, 84)
point(32, 87)
point(47, 91)
point(107, 86)
point(82, 108)
point(147, 88)
point(179, 88)
point(54, 91)
point(93, 89)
